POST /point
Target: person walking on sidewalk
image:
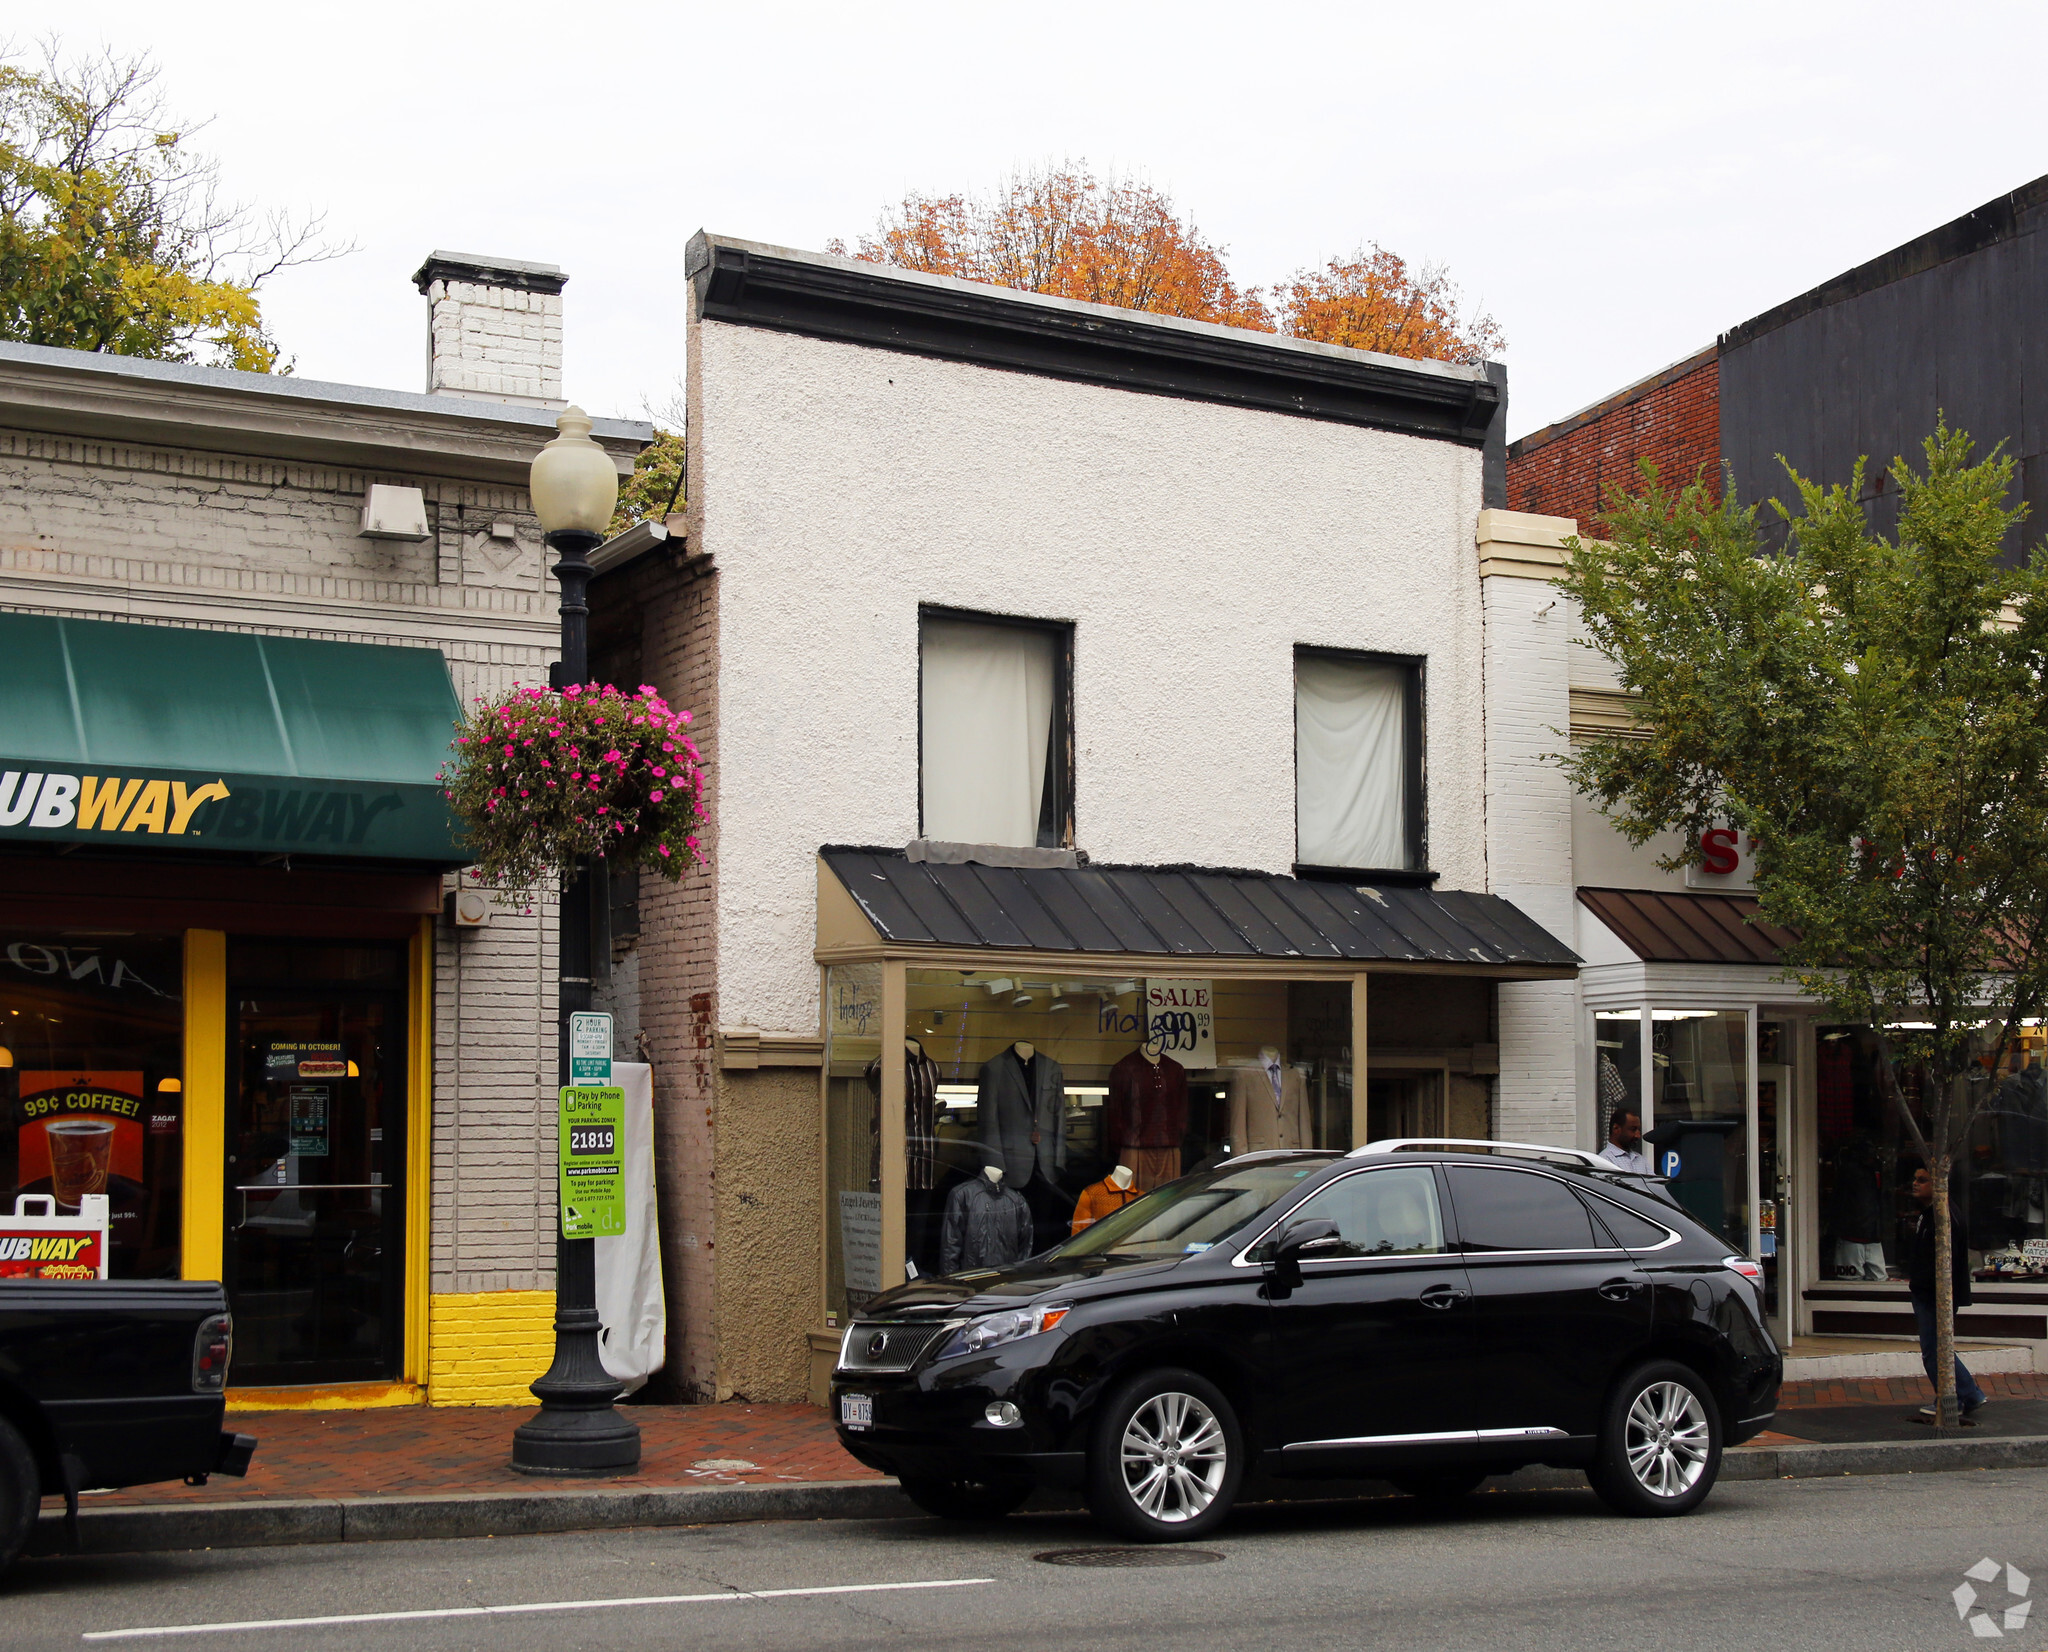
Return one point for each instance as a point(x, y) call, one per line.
point(1920, 1283)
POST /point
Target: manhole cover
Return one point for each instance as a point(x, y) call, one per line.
point(1128, 1557)
point(726, 1465)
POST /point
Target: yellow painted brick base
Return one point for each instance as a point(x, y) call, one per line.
point(484, 1347)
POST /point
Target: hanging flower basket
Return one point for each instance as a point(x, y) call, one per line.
point(541, 779)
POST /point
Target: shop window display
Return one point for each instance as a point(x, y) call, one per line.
point(1867, 1158)
point(1617, 1064)
point(1037, 1104)
point(1700, 1089)
point(91, 1072)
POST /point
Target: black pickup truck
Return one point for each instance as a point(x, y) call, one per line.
point(105, 1383)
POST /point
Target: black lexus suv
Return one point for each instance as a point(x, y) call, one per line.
point(1425, 1313)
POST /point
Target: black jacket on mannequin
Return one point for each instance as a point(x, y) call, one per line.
point(986, 1226)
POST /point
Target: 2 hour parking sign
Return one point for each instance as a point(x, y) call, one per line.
point(593, 1161)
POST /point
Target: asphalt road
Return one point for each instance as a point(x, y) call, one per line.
point(1815, 1564)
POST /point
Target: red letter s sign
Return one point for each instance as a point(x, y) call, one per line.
point(1718, 854)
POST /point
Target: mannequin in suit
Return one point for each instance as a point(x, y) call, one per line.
point(1268, 1104)
point(1021, 1094)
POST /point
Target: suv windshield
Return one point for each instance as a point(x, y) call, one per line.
point(1186, 1217)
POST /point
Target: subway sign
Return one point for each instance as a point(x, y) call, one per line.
point(171, 808)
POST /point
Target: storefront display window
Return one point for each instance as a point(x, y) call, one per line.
point(1867, 1157)
point(1036, 1103)
point(91, 1072)
point(1617, 1065)
point(1700, 1101)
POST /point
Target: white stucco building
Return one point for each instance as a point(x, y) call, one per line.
point(1057, 667)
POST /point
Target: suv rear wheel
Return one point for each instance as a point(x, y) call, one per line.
point(1660, 1442)
point(1167, 1458)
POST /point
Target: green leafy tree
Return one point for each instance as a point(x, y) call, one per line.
point(1871, 712)
point(113, 235)
point(656, 486)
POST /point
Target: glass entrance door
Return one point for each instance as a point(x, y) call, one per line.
point(314, 1255)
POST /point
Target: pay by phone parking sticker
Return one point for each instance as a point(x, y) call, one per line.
point(593, 1161)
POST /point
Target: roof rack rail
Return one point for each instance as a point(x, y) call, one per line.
point(1577, 1156)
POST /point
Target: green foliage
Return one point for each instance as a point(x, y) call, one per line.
point(111, 234)
point(541, 780)
point(1871, 713)
point(655, 487)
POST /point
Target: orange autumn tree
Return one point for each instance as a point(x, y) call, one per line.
point(1058, 229)
point(1061, 230)
point(1372, 301)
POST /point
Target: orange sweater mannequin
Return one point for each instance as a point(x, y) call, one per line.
point(1100, 1199)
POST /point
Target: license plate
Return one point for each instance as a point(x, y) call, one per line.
point(857, 1410)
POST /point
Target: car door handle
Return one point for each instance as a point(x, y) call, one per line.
point(1442, 1296)
point(1620, 1290)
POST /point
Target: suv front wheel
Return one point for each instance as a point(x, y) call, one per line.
point(1167, 1458)
point(1660, 1442)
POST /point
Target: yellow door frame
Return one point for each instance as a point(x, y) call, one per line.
point(203, 1233)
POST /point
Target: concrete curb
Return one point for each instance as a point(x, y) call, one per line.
point(263, 1524)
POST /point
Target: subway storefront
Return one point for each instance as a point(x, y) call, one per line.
point(221, 857)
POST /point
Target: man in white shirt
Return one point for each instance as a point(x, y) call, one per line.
point(1624, 1146)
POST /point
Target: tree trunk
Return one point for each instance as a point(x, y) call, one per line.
point(1945, 1414)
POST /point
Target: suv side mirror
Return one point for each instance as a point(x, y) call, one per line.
point(1283, 1261)
point(1312, 1234)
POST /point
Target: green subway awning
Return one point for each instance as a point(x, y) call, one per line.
point(157, 736)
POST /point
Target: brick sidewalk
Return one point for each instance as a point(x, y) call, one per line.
point(2011, 1385)
point(423, 1450)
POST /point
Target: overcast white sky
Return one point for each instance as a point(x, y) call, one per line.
point(1616, 183)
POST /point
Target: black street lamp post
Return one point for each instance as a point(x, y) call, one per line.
point(577, 1429)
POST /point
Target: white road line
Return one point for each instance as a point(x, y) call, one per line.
point(531, 1606)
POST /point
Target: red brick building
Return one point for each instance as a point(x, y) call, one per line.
point(1944, 326)
point(1672, 419)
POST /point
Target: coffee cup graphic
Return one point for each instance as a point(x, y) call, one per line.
point(81, 1152)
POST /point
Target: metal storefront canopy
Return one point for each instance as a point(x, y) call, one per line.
point(157, 736)
point(1705, 928)
point(1189, 912)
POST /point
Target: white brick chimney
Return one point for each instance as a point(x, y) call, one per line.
point(494, 328)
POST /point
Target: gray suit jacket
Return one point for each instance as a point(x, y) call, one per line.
point(1011, 1112)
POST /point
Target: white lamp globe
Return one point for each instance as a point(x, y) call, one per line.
point(575, 484)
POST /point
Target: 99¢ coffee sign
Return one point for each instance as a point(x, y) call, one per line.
point(593, 1162)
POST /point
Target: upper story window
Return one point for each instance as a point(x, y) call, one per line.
point(1357, 762)
point(994, 752)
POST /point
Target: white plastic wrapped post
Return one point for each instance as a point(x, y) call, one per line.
point(629, 1297)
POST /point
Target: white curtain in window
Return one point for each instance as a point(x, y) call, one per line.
point(1351, 780)
point(987, 713)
